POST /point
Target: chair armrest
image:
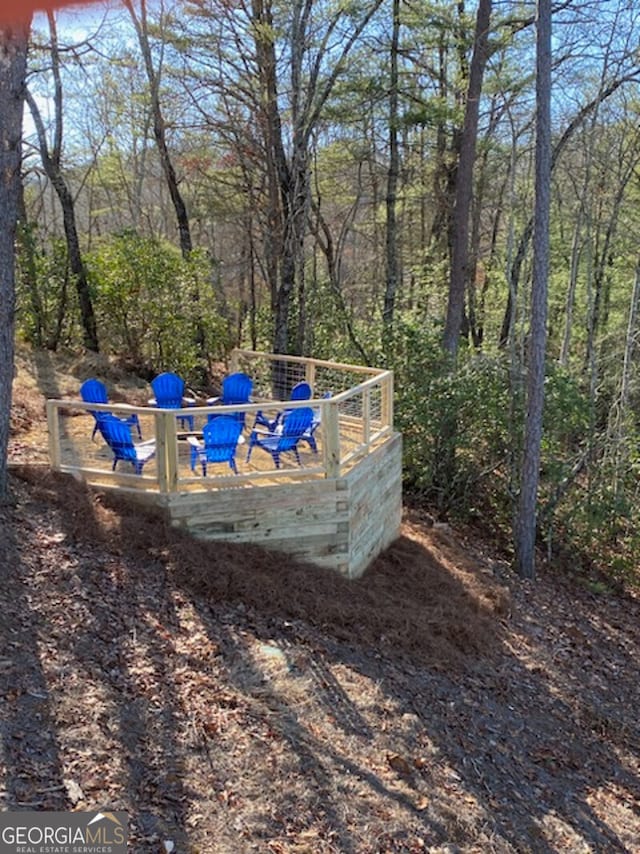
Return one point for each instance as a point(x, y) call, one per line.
point(261, 432)
point(146, 444)
point(193, 441)
point(145, 450)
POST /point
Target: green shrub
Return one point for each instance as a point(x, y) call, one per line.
point(456, 424)
point(46, 298)
point(155, 309)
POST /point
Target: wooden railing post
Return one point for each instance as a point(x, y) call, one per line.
point(331, 439)
point(162, 420)
point(366, 416)
point(53, 423)
point(310, 374)
point(386, 392)
point(171, 440)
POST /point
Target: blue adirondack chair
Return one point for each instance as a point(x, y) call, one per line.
point(94, 391)
point(236, 389)
point(285, 437)
point(301, 391)
point(220, 441)
point(118, 436)
point(168, 389)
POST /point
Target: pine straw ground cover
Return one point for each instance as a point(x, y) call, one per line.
point(230, 700)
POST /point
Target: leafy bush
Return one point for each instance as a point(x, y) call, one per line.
point(463, 427)
point(597, 520)
point(46, 298)
point(155, 309)
point(456, 424)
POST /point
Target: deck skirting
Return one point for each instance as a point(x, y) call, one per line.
point(339, 523)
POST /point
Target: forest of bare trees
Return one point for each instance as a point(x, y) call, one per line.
point(358, 180)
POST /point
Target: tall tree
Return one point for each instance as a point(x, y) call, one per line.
point(526, 519)
point(392, 183)
point(141, 25)
point(464, 182)
point(52, 163)
point(314, 68)
point(13, 69)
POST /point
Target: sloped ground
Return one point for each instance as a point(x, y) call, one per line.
point(231, 701)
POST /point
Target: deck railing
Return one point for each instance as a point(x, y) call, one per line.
point(357, 417)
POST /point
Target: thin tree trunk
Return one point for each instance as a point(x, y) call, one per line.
point(159, 127)
point(464, 183)
point(625, 384)
point(168, 169)
point(276, 167)
point(51, 159)
point(13, 67)
point(76, 263)
point(525, 523)
point(392, 187)
point(618, 423)
point(325, 241)
point(441, 215)
point(599, 314)
point(309, 92)
point(571, 291)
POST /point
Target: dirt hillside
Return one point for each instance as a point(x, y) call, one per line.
point(230, 700)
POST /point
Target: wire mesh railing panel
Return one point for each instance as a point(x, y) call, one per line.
point(334, 381)
point(273, 378)
point(376, 406)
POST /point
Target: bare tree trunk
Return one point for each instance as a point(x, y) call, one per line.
point(159, 127)
point(300, 210)
point(277, 171)
point(392, 187)
point(526, 519)
point(309, 92)
point(440, 224)
point(571, 291)
point(476, 297)
point(326, 243)
point(629, 347)
point(168, 169)
point(13, 66)
point(619, 416)
point(598, 313)
point(464, 182)
point(51, 160)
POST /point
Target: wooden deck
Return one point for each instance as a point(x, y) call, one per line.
point(340, 508)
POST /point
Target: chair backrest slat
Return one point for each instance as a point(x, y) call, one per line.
point(168, 389)
point(295, 424)
point(236, 388)
point(118, 436)
point(301, 391)
point(221, 438)
point(94, 391)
